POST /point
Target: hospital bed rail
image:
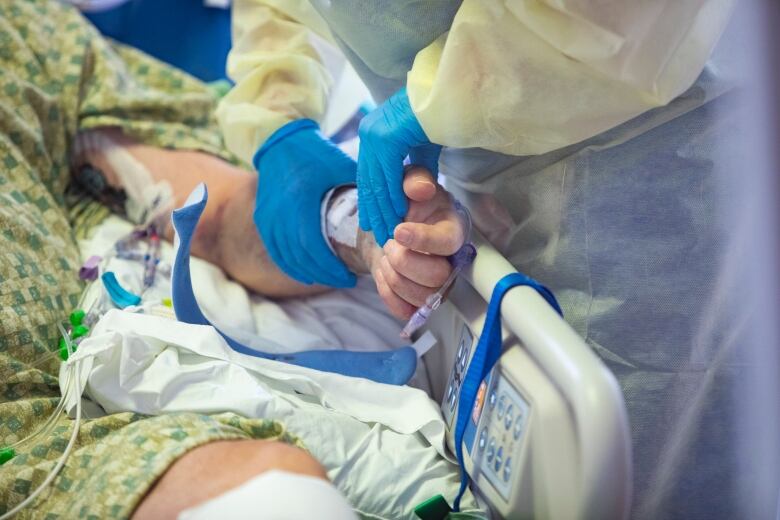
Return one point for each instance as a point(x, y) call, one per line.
point(568, 441)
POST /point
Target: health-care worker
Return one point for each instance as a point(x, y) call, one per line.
point(580, 135)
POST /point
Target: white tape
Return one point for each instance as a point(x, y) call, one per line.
point(424, 343)
point(341, 219)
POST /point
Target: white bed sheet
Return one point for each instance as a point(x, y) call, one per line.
point(383, 446)
point(354, 319)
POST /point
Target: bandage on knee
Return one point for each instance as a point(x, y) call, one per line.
point(276, 495)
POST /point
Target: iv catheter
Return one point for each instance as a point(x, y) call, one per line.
point(462, 258)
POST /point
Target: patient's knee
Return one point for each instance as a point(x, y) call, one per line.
point(214, 468)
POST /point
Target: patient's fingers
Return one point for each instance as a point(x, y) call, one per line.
point(398, 307)
point(412, 293)
point(419, 184)
point(441, 238)
point(427, 270)
point(431, 225)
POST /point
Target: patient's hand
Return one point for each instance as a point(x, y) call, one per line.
point(414, 264)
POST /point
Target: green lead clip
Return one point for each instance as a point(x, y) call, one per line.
point(6, 454)
point(435, 508)
point(78, 331)
point(76, 317)
point(63, 350)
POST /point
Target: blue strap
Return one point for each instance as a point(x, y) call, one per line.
point(394, 367)
point(485, 356)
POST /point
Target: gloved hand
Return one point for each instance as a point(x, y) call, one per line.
point(297, 166)
point(387, 135)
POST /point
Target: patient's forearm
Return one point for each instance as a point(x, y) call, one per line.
point(240, 252)
point(226, 235)
point(155, 180)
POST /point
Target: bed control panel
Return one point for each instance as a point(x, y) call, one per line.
point(514, 404)
point(518, 411)
point(501, 427)
point(458, 372)
point(546, 436)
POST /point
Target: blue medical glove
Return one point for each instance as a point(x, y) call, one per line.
point(297, 166)
point(387, 135)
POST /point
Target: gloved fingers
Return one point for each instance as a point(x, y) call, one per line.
point(397, 306)
point(343, 167)
point(364, 193)
point(297, 245)
point(409, 291)
point(394, 177)
point(326, 267)
point(274, 249)
point(267, 234)
point(284, 255)
point(426, 155)
point(295, 252)
point(389, 193)
point(427, 270)
point(372, 205)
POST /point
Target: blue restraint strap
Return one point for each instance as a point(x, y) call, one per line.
point(393, 367)
point(485, 356)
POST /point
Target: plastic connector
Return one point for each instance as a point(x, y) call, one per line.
point(6, 454)
point(435, 508)
point(63, 350)
point(77, 317)
point(119, 295)
point(78, 331)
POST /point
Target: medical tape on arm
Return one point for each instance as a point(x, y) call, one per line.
point(339, 217)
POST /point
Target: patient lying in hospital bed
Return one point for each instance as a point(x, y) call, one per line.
point(378, 438)
point(155, 451)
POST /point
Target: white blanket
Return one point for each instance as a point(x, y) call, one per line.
point(383, 445)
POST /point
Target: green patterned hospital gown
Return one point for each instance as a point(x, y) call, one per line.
point(57, 77)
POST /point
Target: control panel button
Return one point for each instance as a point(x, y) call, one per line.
point(491, 451)
point(483, 438)
point(452, 397)
point(501, 406)
point(463, 363)
point(510, 414)
point(518, 426)
point(508, 469)
point(499, 458)
point(492, 399)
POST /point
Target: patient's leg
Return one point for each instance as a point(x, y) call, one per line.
point(214, 468)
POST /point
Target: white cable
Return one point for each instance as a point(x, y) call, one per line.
point(61, 462)
point(48, 425)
